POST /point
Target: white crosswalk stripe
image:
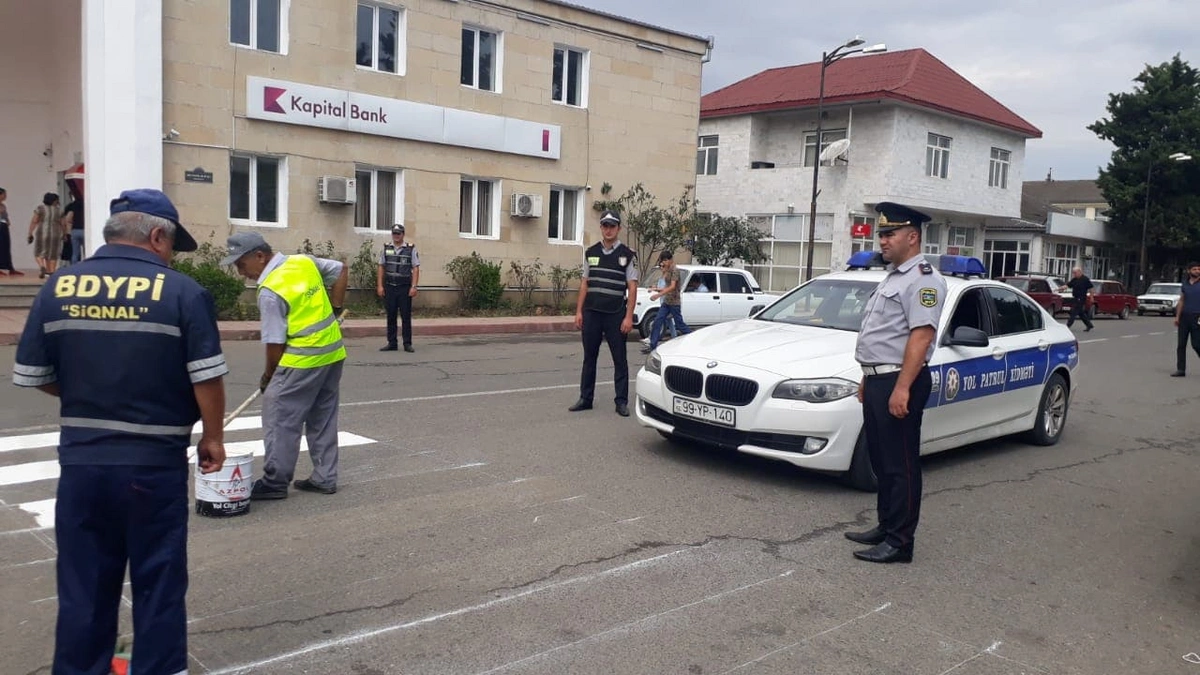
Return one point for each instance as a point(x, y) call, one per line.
point(46, 468)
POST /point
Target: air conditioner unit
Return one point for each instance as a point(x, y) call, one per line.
point(526, 205)
point(337, 190)
point(1089, 251)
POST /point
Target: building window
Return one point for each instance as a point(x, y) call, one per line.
point(258, 24)
point(478, 209)
point(862, 234)
point(960, 240)
point(1080, 212)
point(810, 145)
point(931, 240)
point(1005, 258)
point(787, 249)
point(706, 156)
point(565, 216)
point(569, 85)
point(937, 156)
point(481, 59)
point(998, 168)
point(380, 43)
point(257, 190)
point(1060, 259)
point(380, 202)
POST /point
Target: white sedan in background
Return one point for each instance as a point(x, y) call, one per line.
point(708, 296)
point(783, 384)
point(1160, 297)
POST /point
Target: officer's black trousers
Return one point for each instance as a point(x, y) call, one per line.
point(397, 300)
point(106, 516)
point(1078, 312)
point(599, 327)
point(894, 445)
point(1188, 329)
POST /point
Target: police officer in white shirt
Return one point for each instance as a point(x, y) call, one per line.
point(894, 347)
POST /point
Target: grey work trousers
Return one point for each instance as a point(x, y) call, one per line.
point(308, 398)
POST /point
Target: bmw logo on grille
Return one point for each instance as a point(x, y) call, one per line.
point(712, 364)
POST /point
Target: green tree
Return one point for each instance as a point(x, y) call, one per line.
point(1160, 117)
point(648, 228)
point(720, 240)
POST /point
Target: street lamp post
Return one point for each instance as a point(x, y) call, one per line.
point(1176, 157)
point(827, 59)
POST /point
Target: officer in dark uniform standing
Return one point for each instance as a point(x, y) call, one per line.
point(604, 311)
point(1187, 318)
point(894, 347)
point(399, 272)
point(131, 349)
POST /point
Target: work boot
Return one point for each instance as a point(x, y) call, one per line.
point(308, 486)
point(260, 491)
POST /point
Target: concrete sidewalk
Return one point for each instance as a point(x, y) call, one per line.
point(12, 322)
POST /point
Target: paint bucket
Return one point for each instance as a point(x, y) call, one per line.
point(226, 493)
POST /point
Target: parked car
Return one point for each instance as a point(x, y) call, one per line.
point(782, 384)
point(1159, 298)
point(709, 295)
point(1108, 297)
point(1043, 288)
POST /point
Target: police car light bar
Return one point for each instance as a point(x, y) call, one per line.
point(951, 265)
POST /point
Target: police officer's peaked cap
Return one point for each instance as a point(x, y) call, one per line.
point(893, 216)
point(610, 216)
point(153, 203)
point(397, 229)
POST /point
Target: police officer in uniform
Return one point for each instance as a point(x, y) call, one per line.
point(894, 347)
point(604, 311)
point(1187, 318)
point(399, 272)
point(131, 349)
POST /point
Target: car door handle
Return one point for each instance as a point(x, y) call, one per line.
point(1043, 345)
point(998, 353)
point(749, 297)
point(716, 297)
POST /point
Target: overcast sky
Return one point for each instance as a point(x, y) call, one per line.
point(1053, 62)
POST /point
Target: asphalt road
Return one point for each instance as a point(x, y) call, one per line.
point(480, 528)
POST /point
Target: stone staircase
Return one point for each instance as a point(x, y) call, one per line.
point(19, 292)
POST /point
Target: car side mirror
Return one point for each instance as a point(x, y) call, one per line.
point(965, 336)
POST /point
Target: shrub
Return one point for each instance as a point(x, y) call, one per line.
point(478, 280)
point(224, 287)
point(525, 278)
point(365, 267)
point(560, 278)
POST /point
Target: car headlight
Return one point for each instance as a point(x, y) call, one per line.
point(654, 363)
point(816, 391)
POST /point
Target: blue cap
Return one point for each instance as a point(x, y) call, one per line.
point(893, 215)
point(153, 203)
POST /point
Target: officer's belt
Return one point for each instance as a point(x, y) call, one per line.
point(881, 369)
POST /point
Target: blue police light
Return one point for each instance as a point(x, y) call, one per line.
point(865, 260)
point(961, 265)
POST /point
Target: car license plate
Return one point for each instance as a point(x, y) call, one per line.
point(716, 414)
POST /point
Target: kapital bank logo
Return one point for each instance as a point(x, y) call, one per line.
point(274, 101)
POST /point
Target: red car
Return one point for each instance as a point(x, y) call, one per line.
point(1041, 287)
point(1109, 297)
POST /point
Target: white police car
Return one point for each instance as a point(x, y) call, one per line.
point(783, 383)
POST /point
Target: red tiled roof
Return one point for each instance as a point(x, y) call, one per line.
point(912, 76)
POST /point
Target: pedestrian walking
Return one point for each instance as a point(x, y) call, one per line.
point(399, 273)
point(6, 263)
point(301, 380)
point(604, 311)
point(670, 307)
point(133, 371)
point(1081, 291)
point(894, 346)
point(1187, 318)
point(46, 234)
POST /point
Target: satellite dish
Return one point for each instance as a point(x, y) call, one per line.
point(835, 149)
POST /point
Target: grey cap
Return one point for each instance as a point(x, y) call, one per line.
point(240, 244)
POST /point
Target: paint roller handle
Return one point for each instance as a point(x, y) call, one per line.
point(241, 408)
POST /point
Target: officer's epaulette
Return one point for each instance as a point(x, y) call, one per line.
point(926, 268)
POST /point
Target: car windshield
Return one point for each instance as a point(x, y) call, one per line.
point(1019, 284)
point(826, 303)
point(1163, 289)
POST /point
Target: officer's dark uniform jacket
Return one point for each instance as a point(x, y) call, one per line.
point(398, 265)
point(606, 282)
point(126, 338)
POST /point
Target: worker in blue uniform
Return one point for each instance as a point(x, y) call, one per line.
point(894, 346)
point(131, 349)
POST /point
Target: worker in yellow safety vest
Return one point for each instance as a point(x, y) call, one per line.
point(305, 354)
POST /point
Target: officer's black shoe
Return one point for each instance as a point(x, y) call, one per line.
point(623, 410)
point(409, 349)
point(886, 553)
point(309, 486)
point(388, 348)
point(580, 405)
point(260, 491)
point(1179, 373)
point(871, 537)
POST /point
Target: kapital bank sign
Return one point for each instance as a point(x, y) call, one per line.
point(308, 105)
